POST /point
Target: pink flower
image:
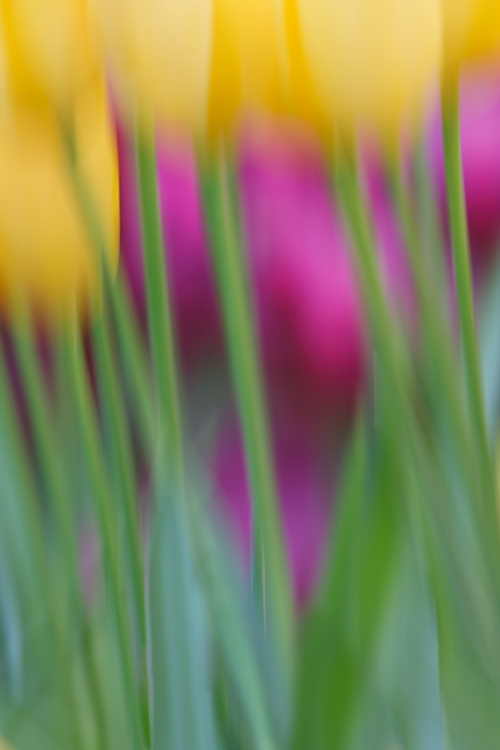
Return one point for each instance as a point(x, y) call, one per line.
point(307, 300)
point(310, 312)
point(187, 257)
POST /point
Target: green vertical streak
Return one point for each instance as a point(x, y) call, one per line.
point(46, 444)
point(392, 353)
point(125, 475)
point(23, 472)
point(101, 495)
point(129, 339)
point(437, 336)
point(408, 435)
point(463, 283)
point(134, 359)
point(159, 314)
point(126, 484)
point(232, 278)
point(59, 499)
point(130, 343)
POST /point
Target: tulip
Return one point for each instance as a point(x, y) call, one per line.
point(46, 257)
point(245, 71)
point(372, 62)
point(50, 51)
point(198, 66)
point(470, 29)
point(159, 57)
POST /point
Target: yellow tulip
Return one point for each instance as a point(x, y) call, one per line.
point(372, 61)
point(46, 259)
point(246, 72)
point(199, 65)
point(159, 57)
point(471, 29)
point(50, 52)
point(300, 100)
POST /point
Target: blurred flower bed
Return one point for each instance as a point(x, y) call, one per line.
point(249, 374)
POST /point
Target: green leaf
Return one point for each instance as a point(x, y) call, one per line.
point(249, 662)
point(342, 633)
point(179, 645)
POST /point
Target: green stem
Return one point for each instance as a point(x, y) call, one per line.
point(101, 494)
point(232, 278)
point(135, 362)
point(436, 334)
point(57, 493)
point(387, 344)
point(127, 488)
point(126, 322)
point(463, 277)
point(126, 481)
point(46, 444)
point(159, 313)
point(34, 523)
point(427, 208)
point(23, 472)
point(130, 340)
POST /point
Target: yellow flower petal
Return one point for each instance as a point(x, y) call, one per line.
point(471, 29)
point(45, 255)
point(301, 100)
point(159, 55)
point(51, 55)
point(484, 33)
point(372, 61)
point(246, 73)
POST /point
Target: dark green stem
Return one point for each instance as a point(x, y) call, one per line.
point(232, 278)
point(159, 314)
point(103, 509)
point(463, 279)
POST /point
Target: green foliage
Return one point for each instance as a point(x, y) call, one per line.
point(399, 647)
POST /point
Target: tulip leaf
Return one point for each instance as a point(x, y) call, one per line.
point(249, 661)
point(179, 645)
point(340, 638)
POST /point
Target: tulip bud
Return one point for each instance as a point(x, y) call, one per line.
point(159, 57)
point(471, 30)
point(51, 55)
point(46, 259)
point(372, 61)
point(198, 66)
point(246, 72)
